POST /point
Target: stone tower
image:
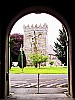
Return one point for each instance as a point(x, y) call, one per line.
point(35, 40)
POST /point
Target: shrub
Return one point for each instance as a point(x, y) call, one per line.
point(20, 60)
point(51, 62)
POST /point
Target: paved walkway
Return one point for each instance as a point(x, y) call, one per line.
point(45, 84)
point(24, 92)
point(41, 94)
point(39, 97)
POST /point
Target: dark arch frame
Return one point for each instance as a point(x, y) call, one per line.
point(43, 9)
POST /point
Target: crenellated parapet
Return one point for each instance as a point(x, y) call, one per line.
point(35, 34)
point(42, 28)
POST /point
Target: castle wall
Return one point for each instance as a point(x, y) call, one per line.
point(34, 34)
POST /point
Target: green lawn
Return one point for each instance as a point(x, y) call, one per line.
point(42, 70)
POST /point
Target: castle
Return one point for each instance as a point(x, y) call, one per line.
point(35, 40)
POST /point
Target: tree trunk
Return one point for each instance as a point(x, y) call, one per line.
point(39, 65)
point(36, 65)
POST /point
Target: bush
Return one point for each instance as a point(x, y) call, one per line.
point(20, 60)
point(51, 62)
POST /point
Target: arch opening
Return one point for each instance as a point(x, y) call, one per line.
point(41, 10)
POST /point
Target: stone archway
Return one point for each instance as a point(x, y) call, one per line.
point(40, 9)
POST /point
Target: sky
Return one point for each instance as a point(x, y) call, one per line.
point(53, 25)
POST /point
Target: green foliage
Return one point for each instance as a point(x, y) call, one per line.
point(60, 45)
point(38, 58)
point(51, 62)
point(34, 58)
point(44, 58)
point(11, 43)
point(20, 60)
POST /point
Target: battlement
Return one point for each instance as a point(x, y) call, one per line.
point(34, 34)
point(35, 28)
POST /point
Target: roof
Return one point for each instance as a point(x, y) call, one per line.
point(50, 50)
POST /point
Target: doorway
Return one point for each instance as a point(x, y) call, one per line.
point(58, 16)
point(46, 84)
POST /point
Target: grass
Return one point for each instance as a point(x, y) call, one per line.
point(42, 70)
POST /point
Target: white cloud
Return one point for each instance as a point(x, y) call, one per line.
point(53, 25)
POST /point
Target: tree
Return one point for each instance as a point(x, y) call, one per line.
point(16, 40)
point(11, 50)
point(44, 58)
point(61, 47)
point(34, 58)
point(20, 60)
point(38, 58)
